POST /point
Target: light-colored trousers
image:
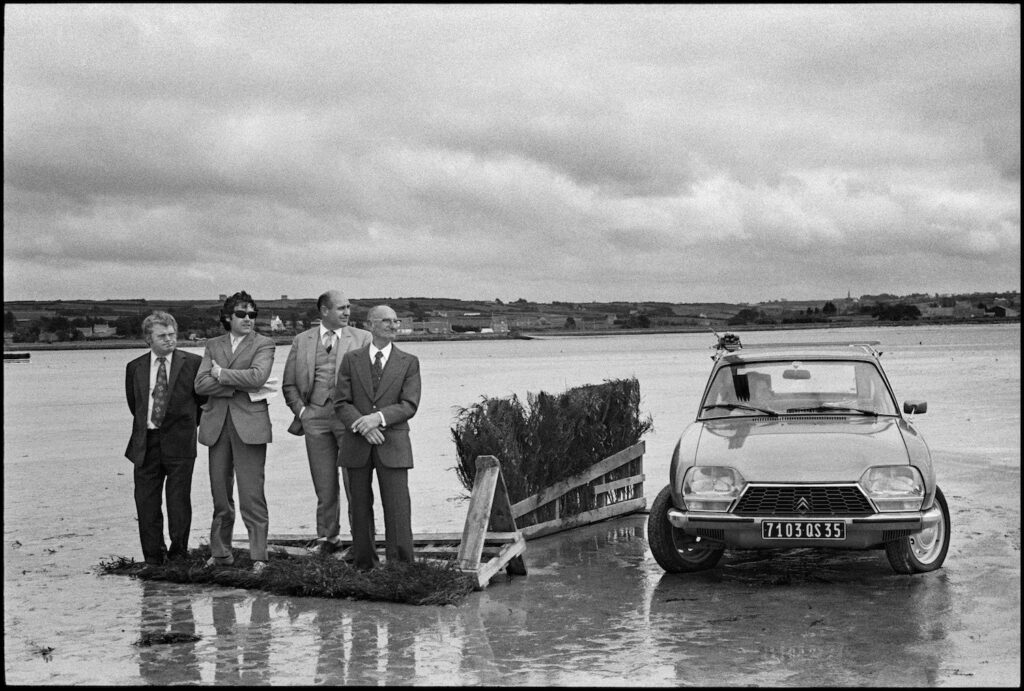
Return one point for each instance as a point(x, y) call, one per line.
point(232, 458)
point(323, 431)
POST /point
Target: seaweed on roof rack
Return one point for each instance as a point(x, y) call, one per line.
point(727, 341)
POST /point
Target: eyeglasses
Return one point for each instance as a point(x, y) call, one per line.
point(241, 314)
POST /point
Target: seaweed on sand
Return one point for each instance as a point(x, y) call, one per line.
point(417, 583)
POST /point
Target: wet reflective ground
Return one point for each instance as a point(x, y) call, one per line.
point(595, 609)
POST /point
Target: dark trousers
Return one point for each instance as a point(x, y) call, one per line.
point(150, 478)
point(394, 498)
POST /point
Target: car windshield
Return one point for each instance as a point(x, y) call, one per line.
point(798, 387)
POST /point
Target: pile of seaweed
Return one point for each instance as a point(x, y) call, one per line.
point(416, 583)
point(552, 437)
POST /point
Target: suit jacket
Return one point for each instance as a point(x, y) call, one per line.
point(178, 429)
point(299, 368)
point(245, 371)
point(398, 397)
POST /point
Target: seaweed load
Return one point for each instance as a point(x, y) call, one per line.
point(552, 437)
point(417, 583)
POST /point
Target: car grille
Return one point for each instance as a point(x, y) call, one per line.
point(803, 500)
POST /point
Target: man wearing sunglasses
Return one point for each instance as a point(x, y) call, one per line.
point(236, 428)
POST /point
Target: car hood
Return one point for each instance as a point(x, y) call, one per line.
point(801, 450)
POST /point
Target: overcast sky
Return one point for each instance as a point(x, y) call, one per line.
point(564, 152)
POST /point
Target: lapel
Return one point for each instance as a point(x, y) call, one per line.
point(343, 345)
point(244, 347)
point(176, 362)
point(362, 370)
point(310, 342)
point(142, 386)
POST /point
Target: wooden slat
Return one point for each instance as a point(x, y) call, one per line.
point(417, 538)
point(556, 490)
point(480, 501)
point(618, 484)
point(558, 525)
point(487, 570)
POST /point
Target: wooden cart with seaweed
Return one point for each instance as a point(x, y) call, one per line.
point(567, 459)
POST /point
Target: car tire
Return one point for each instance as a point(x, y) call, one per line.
point(674, 550)
point(924, 551)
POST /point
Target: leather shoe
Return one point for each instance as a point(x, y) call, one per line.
point(324, 547)
point(213, 561)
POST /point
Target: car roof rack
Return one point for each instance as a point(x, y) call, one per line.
point(730, 342)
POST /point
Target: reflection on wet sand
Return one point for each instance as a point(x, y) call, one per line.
point(242, 651)
point(806, 617)
point(164, 611)
point(593, 610)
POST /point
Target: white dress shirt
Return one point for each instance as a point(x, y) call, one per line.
point(385, 354)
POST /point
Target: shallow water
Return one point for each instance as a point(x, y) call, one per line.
point(594, 610)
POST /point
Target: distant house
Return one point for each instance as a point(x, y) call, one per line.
point(435, 326)
point(276, 324)
point(97, 331)
point(1003, 312)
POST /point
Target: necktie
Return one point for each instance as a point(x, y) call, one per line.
point(329, 340)
point(160, 393)
point(378, 369)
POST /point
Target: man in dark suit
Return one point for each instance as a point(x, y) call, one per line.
point(378, 391)
point(310, 376)
point(160, 388)
point(237, 428)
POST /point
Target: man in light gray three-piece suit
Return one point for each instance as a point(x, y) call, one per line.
point(310, 375)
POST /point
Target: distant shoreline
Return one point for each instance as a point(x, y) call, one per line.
point(125, 344)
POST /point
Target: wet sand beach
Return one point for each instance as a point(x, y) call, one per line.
point(594, 609)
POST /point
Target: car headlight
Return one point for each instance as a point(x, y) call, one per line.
point(711, 488)
point(894, 487)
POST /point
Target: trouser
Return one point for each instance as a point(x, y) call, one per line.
point(231, 458)
point(394, 497)
point(150, 478)
point(323, 432)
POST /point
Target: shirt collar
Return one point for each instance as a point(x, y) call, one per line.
point(324, 330)
point(386, 350)
point(153, 358)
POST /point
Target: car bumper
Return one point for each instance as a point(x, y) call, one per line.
point(744, 532)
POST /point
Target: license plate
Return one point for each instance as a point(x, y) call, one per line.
point(803, 530)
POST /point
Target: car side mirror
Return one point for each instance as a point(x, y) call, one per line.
point(919, 407)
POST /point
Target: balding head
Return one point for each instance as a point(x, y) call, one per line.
point(384, 325)
point(334, 309)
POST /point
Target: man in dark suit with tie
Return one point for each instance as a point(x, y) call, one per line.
point(378, 391)
point(160, 389)
point(237, 428)
point(310, 376)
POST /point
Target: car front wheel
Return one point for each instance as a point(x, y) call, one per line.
point(674, 550)
point(924, 551)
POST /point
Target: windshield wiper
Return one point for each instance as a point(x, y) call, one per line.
point(740, 406)
point(833, 409)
